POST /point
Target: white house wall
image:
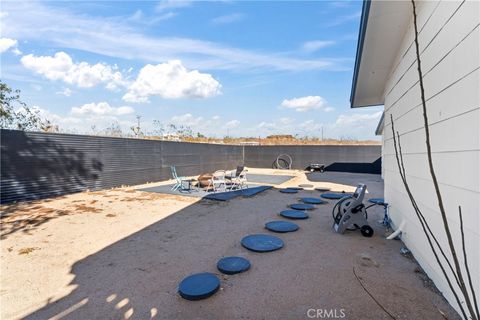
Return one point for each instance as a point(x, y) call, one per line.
point(449, 43)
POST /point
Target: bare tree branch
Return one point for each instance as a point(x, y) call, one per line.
point(441, 206)
point(417, 209)
point(423, 223)
point(465, 261)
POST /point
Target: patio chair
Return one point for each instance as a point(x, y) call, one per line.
point(239, 180)
point(217, 181)
point(179, 181)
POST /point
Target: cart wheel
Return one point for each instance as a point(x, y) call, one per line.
point(366, 231)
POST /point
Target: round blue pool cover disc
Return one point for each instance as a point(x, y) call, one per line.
point(199, 286)
point(287, 190)
point(262, 243)
point(281, 226)
point(294, 214)
point(301, 206)
point(232, 265)
point(313, 200)
point(334, 195)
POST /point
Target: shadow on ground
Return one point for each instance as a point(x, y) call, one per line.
point(374, 167)
point(137, 277)
point(350, 178)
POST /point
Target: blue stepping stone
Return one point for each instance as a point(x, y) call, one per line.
point(294, 214)
point(379, 201)
point(313, 200)
point(295, 188)
point(233, 265)
point(199, 286)
point(288, 190)
point(323, 189)
point(281, 226)
point(302, 206)
point(334, 195)
point(262, 243)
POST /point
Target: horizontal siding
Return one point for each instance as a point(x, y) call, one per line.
point(414, 238)
point(450, 53)
point(458, 169)
point(435, 223)
point(406, 55)
point(424, 193)
point(443, 105)
point(445, 70)
point(433, 28)
point(447, 135)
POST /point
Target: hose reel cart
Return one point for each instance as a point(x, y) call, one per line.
point(349, 213)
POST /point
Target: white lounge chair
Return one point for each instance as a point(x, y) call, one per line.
point(218, 181)
point(238, 178)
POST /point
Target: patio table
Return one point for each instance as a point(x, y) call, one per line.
point(187, 184)
point(204, 180)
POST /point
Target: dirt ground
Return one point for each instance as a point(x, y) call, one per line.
point(121, 253)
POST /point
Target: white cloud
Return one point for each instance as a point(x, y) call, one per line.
point(358, 119)
point(232, 124)
point(210, 126)
point(36, 87)
point(339, 20)
point(267, 125)
point(312, 46)
point(84, 122)
point(121, 38)
point(171, 80)
point(305, 103)
point(141, 18)
point(187, 120)
point(286, 121)
point(61, 67)
point(101, 109)
point(341, 4)
point(65, 92)
point(288, 126)
point(229, 18)
point(355, 125)
point(172, 4)
point(329, 109)
point(16, 51)
point(7, 44)
point(55, 119)
point(350, 125)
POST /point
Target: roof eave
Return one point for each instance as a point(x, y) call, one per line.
point(360, 42)
point(379, 130)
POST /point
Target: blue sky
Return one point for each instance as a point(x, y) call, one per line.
point(250, 68)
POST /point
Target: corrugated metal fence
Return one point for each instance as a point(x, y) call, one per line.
point(362, 159)
point(38, 165)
